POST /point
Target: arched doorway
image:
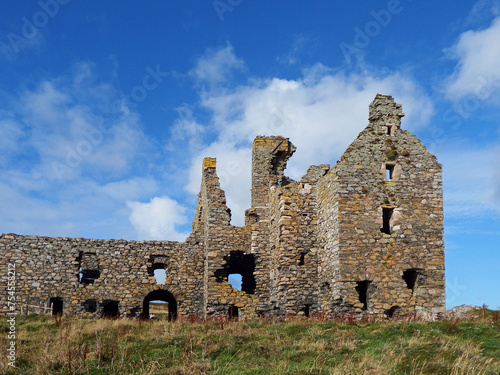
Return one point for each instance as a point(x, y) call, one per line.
point(164, 296)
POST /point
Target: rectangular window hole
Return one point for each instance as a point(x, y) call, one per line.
point(389, 171)
point(56, 306)
point(233, 312)
point(389, 129)
point(110, 309)
point(302, 260)
point(362, 289)
point(90, 305)
point(386, 220)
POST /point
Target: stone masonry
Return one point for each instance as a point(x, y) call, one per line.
point(365, 236)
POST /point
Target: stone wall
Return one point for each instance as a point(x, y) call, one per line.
point(365, 235)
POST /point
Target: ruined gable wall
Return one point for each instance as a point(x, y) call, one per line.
point(413, 195)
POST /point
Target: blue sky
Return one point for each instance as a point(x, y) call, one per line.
point(107, 109)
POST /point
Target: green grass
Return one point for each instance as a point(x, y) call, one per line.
point(97, 346)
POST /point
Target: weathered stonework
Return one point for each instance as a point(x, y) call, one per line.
point(364, 235)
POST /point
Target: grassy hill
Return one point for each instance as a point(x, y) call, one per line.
point(101, 346)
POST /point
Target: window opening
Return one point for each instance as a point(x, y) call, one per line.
point(241, 264)
point(410, 277)
point(90, 305)
point(302, 260)
point(110, 309)
point(88, 268)
point(89, 276)
point(235, 279)
point(386, 220)
point(306, 310)
point(389, 171)
point(56, 306)
point(160, 275)
point(393, 311)
point(362, 289)
point(389, 129)
point(233, 312)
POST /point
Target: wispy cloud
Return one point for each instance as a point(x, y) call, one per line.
point(217, 65)
point(477, 59)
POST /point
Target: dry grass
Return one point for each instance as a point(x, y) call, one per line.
point(317, 346)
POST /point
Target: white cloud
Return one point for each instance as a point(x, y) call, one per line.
point(131, 189)
point(321, 113)
point(158, 219)
point(216, 65)
point(478, 59)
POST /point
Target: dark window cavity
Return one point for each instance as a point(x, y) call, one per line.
point(90, 305)
point(410, 276)
point(56, 306)
point(306, 310)
point(302, 260)
point(233, 312)
point(393, 311)
point(386, 220)
point(239, 263)
point(362, 289)
point(110, 309)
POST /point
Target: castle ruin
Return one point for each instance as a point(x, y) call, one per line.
point(365, 235)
